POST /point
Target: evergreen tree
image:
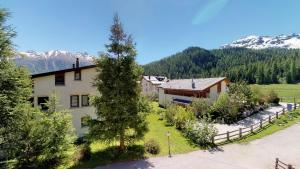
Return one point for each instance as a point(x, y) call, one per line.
point(119, 105)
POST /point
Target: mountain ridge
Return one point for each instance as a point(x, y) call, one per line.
point(291, 41)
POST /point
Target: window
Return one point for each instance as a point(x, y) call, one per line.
point(60, 79)
point(74, 101)
point(85, 100)
point(42, 102)
point(77, 75)
point(85, 121)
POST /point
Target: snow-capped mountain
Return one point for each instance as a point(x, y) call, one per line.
point(262, 42)
point(51, 60)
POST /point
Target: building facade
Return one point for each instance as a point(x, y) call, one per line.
point(73, 87)
point(150, 84)
point(183, 91)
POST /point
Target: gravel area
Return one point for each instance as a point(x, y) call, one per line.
point(247, 122)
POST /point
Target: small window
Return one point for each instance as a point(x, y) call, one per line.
point(77, 75)
point(85, 121)
point(42, 101)
point(85, 100)
point(60, 79)
point(74, 101)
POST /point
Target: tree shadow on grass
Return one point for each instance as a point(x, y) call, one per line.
point(112, 154)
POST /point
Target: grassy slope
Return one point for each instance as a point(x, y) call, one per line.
point(102, 154)
point(285, 91)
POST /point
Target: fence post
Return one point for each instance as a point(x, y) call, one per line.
point(240, 133)
point(213, 139)
point(251, 128)
point(270, 119)
point(294, 103)
point(276, 163)
point(228, 138)
point(261, 123)
point(276, 115)
point(283, 110)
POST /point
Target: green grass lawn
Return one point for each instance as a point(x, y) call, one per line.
point(105, 154)
point(285, 91)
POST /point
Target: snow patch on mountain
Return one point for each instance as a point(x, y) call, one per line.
point(39, 62)
point(262, 42)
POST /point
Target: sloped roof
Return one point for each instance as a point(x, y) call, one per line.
point(186, 84)
point(156, 80)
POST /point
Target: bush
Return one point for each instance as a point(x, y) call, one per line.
point(161, 113)
point(152, 146)
point(272, 97)
point(224, 109)
point(84, 153)
point(200, 132)
point(170, 114)
point(201, 107)
point(183, 116)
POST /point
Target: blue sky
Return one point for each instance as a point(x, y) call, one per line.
point(159, 27)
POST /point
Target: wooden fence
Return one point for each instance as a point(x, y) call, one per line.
point(239, 133)
point(281, 165)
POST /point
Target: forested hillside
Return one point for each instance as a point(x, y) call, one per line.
point(254, 66)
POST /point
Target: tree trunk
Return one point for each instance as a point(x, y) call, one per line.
point(122, 141)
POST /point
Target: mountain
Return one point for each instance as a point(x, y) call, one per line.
point(263, 66)
point(263, 42)
point(51, 60)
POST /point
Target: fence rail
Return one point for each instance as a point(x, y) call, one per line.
point(281, 165)
point(241, 132)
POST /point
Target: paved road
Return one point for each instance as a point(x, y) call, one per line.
point(259, 154)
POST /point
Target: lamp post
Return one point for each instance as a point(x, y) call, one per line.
point(168, 135)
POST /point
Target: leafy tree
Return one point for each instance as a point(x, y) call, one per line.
point(241, 94)
point(119, 105)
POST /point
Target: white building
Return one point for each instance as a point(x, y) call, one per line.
point(150, 84)
point(183, 91)
point(73, 87)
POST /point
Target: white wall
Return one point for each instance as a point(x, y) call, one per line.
point(165, 99)
point(148, 87)
point(44, 86)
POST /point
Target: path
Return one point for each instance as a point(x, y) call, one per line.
point(259, 154)
point(247, 122)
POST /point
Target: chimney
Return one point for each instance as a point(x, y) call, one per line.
point(193, 84)
point(77, 62)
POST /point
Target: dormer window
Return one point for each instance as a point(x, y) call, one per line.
point(60, 79)
point(77, 75)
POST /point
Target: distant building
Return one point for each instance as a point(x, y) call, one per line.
point(182, 91)
point(150, 84)
point(74, 87)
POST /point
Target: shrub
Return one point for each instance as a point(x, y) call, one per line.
point(200, 132)
point(152, 146)
point(201, 106)
point(83, 153)
point(183, 116)
point(161, 112)
point(272, 97)
point(170, 114)
point(225, 109)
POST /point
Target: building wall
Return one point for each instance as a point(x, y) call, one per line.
point(166, 99)
point(45, 86)
point(148, 87)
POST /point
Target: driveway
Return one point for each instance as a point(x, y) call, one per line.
point(258, 154)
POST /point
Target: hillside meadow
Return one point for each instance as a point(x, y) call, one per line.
point(286, 92)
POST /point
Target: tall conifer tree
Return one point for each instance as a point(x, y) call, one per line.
point(118, 106)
